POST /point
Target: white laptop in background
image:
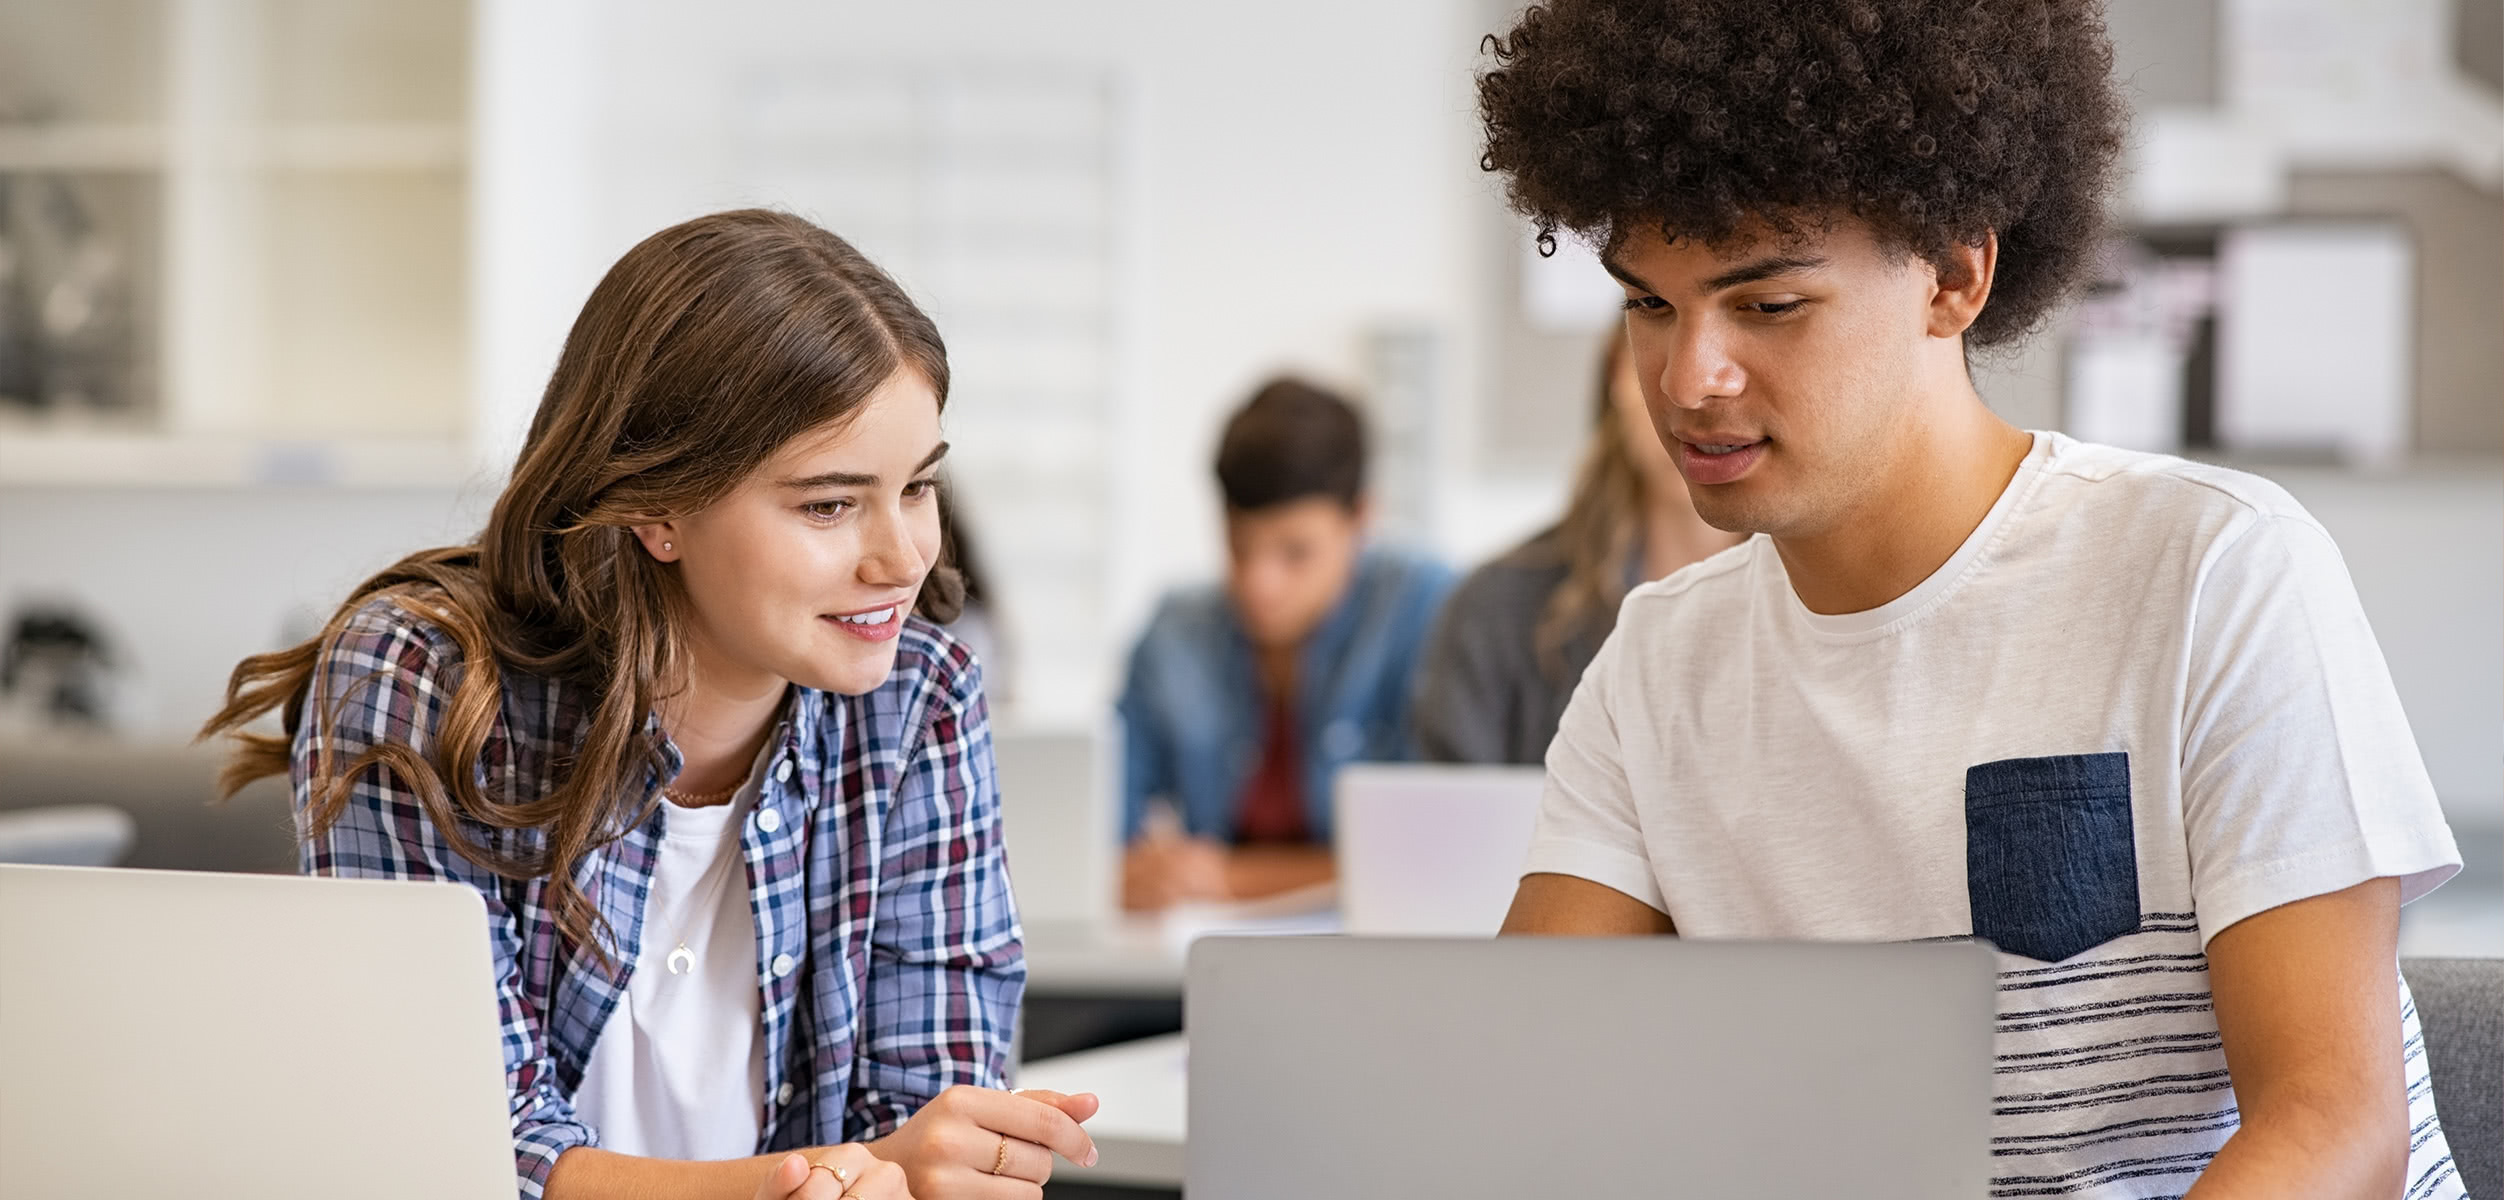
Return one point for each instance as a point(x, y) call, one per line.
point(183, 1033)
point(1432, 848)
point(1343, 1068)
point(1060, 816)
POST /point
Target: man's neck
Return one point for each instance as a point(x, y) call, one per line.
point(1278, 667)
point(1924, 508)
point(1673, 535)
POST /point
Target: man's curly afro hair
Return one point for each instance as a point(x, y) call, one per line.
point(1936, 122)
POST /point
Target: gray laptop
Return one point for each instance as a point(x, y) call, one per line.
point(180, 1033)
point(1059, 807)
point(1339, 1068)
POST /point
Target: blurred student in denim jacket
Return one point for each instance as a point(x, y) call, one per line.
point(1242, 700)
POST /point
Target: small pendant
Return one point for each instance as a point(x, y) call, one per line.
point(682, 960)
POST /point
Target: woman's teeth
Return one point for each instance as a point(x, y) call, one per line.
point(881, 617)
point(1720, 449)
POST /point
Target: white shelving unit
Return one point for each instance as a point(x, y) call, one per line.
point(998, 197)
point(281, 187)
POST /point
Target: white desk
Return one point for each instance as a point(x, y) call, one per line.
point(1131, 957)
point(1139, 1132)
point(1144, 956)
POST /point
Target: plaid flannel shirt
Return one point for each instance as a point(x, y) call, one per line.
point(888, 952)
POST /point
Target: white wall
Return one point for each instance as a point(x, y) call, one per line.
point(1302, 169)
point(186, 582)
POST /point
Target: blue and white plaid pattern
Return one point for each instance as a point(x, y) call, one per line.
point(888, 951)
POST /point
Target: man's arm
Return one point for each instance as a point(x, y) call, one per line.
point(1565, 906)
point(2308, 1004)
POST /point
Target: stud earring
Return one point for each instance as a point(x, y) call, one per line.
point(665, 547)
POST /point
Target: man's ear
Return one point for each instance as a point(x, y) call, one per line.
point(1964, 287)
point(660, 540)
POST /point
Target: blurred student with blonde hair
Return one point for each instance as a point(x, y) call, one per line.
point(1518, 631)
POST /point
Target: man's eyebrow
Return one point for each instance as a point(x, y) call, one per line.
point(1625, 276)
point(1763, 268)
point(842, 479)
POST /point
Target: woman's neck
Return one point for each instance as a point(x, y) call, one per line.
point(718, 726)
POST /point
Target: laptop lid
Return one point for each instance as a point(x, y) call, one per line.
point(1059, 822)
point(1432, 849)
point(1340, 1068)
point(179, 1033)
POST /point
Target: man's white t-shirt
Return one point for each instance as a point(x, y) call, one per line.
point(2138, 705)
point(678, 1070)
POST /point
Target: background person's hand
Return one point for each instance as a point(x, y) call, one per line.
point(834, 1173)
point(1161, 870)
point(948, 1150)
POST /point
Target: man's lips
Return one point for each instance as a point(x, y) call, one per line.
point(1717, 458)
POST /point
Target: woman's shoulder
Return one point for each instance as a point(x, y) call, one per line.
point(930, 658)
point(1497, 605)
point(402, 630)
point(415, 642)
point(1404, 571)
point(1523, 575)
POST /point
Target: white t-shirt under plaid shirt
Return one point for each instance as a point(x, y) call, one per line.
point(887, 958)
point(2138, 705)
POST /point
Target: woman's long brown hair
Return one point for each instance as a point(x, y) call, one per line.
point(1601, 524)
point(705, 349)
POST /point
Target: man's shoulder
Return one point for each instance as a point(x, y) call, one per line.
point(1194, 620)
point(1710, 584)
point(1403, 575)
point(2165, 487)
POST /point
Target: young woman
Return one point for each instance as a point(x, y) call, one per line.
point(682, 718)
point(1517, 633)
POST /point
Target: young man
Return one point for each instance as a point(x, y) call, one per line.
point(2120, 715)
point(1242, 702)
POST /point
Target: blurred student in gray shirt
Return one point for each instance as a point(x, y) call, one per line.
point(1516, 635)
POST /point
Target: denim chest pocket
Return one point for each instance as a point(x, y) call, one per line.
point(2051, 860)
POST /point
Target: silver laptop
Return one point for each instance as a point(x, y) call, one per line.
point(1059, 818)
point(1432, 848)
point(1347, 1068)
point(178, 1033)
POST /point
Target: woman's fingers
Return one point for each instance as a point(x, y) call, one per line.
point(1081, 1107)
point(1032, 1119)
point(882, 1180)
point(784, 1179)
point(1020, 1159)
point(850, 1171)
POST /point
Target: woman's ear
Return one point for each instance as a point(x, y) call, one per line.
point(660, 540)
point(1964, 290)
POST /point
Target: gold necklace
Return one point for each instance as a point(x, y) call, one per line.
point(699, 799)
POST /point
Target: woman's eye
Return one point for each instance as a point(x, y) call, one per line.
point(826, 510)
point(921, 488)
